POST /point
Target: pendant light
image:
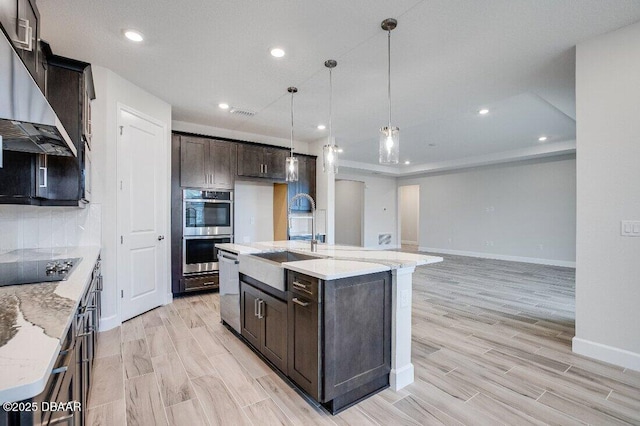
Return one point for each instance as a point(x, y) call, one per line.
point(330, 150)
point(389, 135)
point(292, 162)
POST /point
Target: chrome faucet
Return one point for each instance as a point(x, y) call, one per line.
point(314, 241)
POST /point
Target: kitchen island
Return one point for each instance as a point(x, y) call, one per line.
point(337, 262)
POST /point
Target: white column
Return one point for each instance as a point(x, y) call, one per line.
point(401, 366)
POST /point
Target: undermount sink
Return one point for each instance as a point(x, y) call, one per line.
point(267, 267)
point(284, 256)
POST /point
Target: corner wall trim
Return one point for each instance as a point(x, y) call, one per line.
point(610, 354)
point(551, 262)
point(107, 323)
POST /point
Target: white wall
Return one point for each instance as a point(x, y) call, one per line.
point(521, 211)
point(409, 213)
point(112, 89)
point(608, 135)
point(253, 215)
point(23, 227)
point(349, 212)
point(380, 208)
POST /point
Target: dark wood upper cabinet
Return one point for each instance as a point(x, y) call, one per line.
point(306, 183)
point(261, 162)
point(206, 163)
point(20, 20)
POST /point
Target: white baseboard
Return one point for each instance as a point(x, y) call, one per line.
point(107, 323)
point(551, 262)
point(413, 243)
point(610, 354)
point(401, 377)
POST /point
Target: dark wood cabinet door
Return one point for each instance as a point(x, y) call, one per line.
point(17, 176)
point(357, 332)
point(274, 163)
point(304, 344)
point(274, 339)
point(251, 325)
point(194, 155)
point(250, 161)
point(28, 17)
point(221, 156)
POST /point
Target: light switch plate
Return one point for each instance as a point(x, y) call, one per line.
point(630, 228)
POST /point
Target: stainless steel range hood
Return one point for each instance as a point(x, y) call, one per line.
point(27, 121)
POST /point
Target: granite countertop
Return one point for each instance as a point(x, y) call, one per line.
point(336, 261)
point(34, 318)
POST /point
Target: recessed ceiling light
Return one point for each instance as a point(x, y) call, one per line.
point(407, 162)
point(133, 35)
point(483, 111)
point(321, 127)
point(542, 138)
point(223, 106)
point(277, 52)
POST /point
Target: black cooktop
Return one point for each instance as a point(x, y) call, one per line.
point(36, 271)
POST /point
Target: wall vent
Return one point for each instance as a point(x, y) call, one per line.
point(384, 239)
point(243, 112)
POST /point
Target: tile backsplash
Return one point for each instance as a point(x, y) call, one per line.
point(44, 227)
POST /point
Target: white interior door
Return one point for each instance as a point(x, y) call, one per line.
point(142, 214)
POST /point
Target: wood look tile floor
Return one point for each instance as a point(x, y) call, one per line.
point(491, 345)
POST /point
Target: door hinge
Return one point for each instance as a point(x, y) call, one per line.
point(121, 127)
point(122, 294)
point(121, 239)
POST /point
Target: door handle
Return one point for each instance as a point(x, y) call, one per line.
point(160, 237)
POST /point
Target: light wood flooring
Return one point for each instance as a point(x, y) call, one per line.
point(491, 345)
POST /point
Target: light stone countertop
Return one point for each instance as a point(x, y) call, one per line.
point(34, 318)
point(337, 261)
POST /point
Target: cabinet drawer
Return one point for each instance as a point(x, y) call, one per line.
point(303, 285)
point(201, 282)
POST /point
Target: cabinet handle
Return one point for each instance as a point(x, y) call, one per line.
point(255, 307)
point(27, 43)
point(299, 286)
point(260, 308)
point(59, 370)
point(299, 302)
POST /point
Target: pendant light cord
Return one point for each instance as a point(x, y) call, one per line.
point(291, 144)
point(330, 106)
point(389, 75)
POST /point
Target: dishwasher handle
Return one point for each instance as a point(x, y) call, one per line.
point(223, 258)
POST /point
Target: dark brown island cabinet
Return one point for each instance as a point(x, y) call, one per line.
point(334, 342)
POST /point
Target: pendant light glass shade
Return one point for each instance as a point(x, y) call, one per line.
point(330, 150)
point(292, 162)
point(330, 158)
point(389, 135)
point(389, 145)
point(292, 169)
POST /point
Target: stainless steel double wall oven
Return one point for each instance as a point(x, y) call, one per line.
point(207, 221)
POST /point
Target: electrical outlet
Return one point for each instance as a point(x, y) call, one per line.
point(630, 228)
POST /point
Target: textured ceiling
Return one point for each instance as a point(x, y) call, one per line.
point(449, 58)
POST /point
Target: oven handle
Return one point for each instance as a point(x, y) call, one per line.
point(206, 237)
point(204, 200)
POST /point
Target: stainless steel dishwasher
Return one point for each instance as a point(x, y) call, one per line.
point(229, 289)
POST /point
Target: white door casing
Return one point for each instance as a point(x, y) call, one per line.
point(142, 213)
